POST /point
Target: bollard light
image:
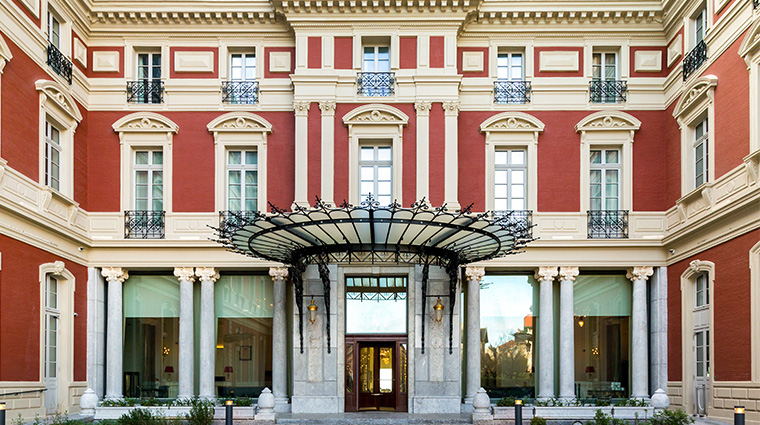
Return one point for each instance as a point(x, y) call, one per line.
point(518, 412)
point(2, 413)
point(738, 415)
point(227, 412)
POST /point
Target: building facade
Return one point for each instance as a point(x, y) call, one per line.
point(626, 133)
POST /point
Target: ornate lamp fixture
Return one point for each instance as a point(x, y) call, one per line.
point(438, 308)
point(312, 311)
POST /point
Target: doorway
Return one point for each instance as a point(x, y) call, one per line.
point(376, 374)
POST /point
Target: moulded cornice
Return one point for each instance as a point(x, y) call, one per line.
point(239, 122)
point(608, 120)
point(693, 93)
point(420, 9)
point(5, 54)
point(376, 114)
point(511, 13)
point(145, 122)
point(60, 96)
point(512, 121)
point(751, 43)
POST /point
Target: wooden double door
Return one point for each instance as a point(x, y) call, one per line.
point(376, 373)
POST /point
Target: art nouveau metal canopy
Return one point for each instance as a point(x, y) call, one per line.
point(371, 233)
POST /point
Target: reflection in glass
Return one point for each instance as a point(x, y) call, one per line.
point(602, 305)
point(375, 305)
point(403, 366)
point(350, 368)
point(507, 316)
point(367, 369)
point(386, 369)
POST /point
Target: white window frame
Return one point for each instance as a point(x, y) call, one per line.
point(244, 54)
point(54, 19)
point(603, 167)
point(510, 168)
point(705, 278)
point(509, 54)
point(150, 168)
point(239, 131)
point(151, 67)
point(376, 47)
point(375, 163)
point(750, 51)
point(699, 16)
point(243, 168)
point(608, 130)
point(148, 46)
point(512, 130)
point(704, 142)
point(50, 146)
point(603, 55)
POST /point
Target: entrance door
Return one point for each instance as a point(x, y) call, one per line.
point(377, 389)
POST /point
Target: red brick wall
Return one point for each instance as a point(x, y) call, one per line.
point(315, 52)
point(407, 52)
point(314, 153)
point(344, 52)
point(437, 52)
point(436, 152)
point(484, 72)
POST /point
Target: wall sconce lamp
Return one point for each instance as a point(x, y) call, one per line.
point(438, 308)
point(312, 311)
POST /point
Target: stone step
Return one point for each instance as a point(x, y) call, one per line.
point(373, 418)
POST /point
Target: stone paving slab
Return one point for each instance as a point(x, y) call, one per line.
point(373, 418)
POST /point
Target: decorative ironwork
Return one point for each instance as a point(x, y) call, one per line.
point(240, 92)
point(145, 91)
point(608, 91)
point(608, 224)
point(694, 59)
point(755, 4)
point(229, 221)
point(296, 273)
point(324, 274)
point(375, 84)
point(59, 63)
point(452, 269)
point(511, 92)
point(144, 224)
point(425, 276)
point(520, 220)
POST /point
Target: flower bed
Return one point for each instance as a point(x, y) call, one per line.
point(580, 413)
point(115, 412)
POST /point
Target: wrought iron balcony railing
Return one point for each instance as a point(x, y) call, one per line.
point(144, 224)
point(608, 224)
point(229, 221)
point(755, 4)
point(511, 92)
point(694, 59)
point(609, 91)
point(60, 63)
point(520, 220)
point(375, 84)
point(145, 91)
point(240, 92)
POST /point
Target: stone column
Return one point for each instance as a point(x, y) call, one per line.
point(207, 352)
point(423, 149)
point(301, 110)
point(474, 275)
point(328, 151)
point(451, 155)
point(186, 277)
point(639, 337)
point(114, 356)
point(566, 333)
point(279, 339)
point(545, 277)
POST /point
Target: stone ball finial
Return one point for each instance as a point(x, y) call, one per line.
point(266, 406)
point(481, 403)
point(88, 402)
point(660, 399)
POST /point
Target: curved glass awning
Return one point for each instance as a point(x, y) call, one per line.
point(372, 233)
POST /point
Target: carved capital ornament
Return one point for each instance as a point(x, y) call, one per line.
point(568, 273)
point(206, 274)
point(113, 274)
point(278, 273)
point(546, 273)
point(475, 273)
point(184, 274)
point(639, 273)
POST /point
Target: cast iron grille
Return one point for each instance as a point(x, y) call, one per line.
point(610, 91)
point(519, 220)
point(608, 224)
point(755, 4)
point(375, 84)
point(694, 59)
point(60, 64)
point(230, 221)
point(145, 91)
point(511, 92)
point(240, 92)
point(144, 224)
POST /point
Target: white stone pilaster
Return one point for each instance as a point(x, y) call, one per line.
point(472, 347)
point(96, 322)
point(114, 357)
point(207, 353)
point(328, 151)
point(639, 335)
point(567, 277)
point(451, 156)
point(186, 365)
point(545, 277)
point(279, 339)
point(423, 149)
point(301, 110)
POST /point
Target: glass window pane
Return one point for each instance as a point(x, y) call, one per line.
point(366, 173)
point(596, 176)
point(233, 204)
point(596, 190)
point(251, 157)
point(233, 157)
point(367, 154)
point(500, 191)
point(141, 157)
point(518, 191)
point(383, 188)
point(158, 157)
point(612, 156)
point(251, 177)
point(501, 204)
point(611, 204)
point(501, 157)
point(367, 188)
point(384, 173)
point(500, 177)
point(518, 204)
point(518, 177)
point(517, 157)
point(596, 157)
point(384, 154)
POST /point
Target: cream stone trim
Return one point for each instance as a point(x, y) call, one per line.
point(695, 104)
point(475, 273)
point(327, 179)
point(750, 51)
point(422, 109)
point(5, 57)
point(374, 122)
point(512, 130)
point(66, 289)
point(239, 130)
point(687, 327)
point(614, 129)
point(754, 267)
point(144, 130)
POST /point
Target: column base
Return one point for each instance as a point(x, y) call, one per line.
point(113, 397)
point(281, 404)
point(467, 407)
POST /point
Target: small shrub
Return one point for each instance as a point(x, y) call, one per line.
point(142, 417)
point(671, 417)
point(201, 413)
point(506, 402)
point(19, 420)
point(537, 420)
point(632, 402)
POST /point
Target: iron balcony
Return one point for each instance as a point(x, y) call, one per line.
point(520, 220)
point(608, 91)
point(511, 92)
point(240, 92)
point(375, 84)
point(58, 62)
point(694, 59)
point(608, 224)
point(145, 91)
point(144, 224)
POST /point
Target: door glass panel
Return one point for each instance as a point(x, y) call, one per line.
point(386, 369)
point(403, 372)
point(350, 368)
point(367, 369)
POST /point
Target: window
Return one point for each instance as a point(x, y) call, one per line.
point(701, 154)
point(376, 173)
point(702, 290)
point(605, 86)
point(376, 78)
point(52, 328)
point(52, 156)
point(510, 170)
point(149, 66)
point(605, 179)
point(509, 66)
point(698, 53)
point(510, 85)
point(243, 67)
point(54, 31)
point(376, 59)
point(242, 88)
point(376, 305)
point(700, 26)
point(148, 88)
point(604, 66)
point(242, 180)
point(149, 180)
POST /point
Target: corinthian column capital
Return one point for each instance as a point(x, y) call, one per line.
point(206, 273)
point(546, 273)
point(451, 107)
point(568, 273)
point(423, 107)
point(327, 107)
point(475, 273)
point(114, 274)
point(278, 273)
point(301, 107)
point(639, 273)
point(184, 273)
